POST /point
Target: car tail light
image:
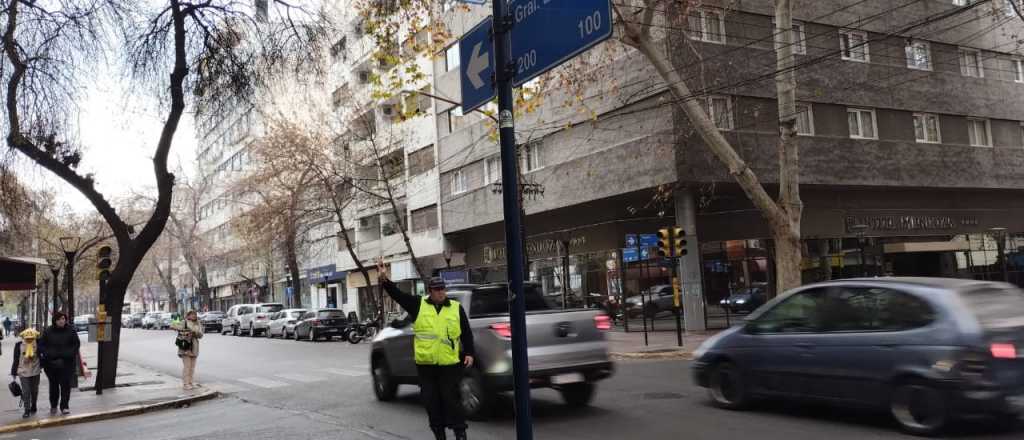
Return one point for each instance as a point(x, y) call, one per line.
point(603, 322)
point(1003, 351)
point(502, 329)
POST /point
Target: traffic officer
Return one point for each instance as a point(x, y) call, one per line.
point(443, 347)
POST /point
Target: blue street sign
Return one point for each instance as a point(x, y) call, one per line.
point(630, 255)
point(631, 240)
point(645, 253)
point(476, 66)
point(649, 240)
point(547, 33)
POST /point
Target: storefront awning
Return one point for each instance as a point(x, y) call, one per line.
point(19, 273)
point(927, 246)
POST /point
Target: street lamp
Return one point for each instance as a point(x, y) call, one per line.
point(55, 262)
point(999, 235)
point(70, 247)
point(861, 241)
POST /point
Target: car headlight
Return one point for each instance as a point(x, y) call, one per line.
point(741, 301)
point(724, 302)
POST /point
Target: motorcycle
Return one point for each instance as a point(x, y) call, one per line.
point(359, 331)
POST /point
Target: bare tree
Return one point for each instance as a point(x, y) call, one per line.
point(184, 227)
point(175, 50)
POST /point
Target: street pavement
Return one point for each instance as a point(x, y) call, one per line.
point(286, 389)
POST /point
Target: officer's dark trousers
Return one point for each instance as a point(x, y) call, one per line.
point(439, 389)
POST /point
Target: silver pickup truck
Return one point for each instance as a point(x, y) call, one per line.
point(567, 349)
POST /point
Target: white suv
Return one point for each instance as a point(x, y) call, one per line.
point(230, 323)
point(256, 318)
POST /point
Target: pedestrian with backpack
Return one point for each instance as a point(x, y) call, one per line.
point(26, 368)
point(187, 341)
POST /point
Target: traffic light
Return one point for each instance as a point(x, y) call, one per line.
point(104, 262)
point(678, 242)
point(664, 242)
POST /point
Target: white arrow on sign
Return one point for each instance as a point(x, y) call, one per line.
point(477, 64)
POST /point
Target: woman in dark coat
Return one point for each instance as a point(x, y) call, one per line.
point(58, 347)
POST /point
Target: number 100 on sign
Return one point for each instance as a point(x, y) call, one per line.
point(546, 33)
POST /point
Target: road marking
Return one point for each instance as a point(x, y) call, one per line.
point(298, 377)
point(350, 373)
point(262, 382)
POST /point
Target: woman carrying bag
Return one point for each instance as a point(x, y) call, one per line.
point(189, 333)
point(26, 368)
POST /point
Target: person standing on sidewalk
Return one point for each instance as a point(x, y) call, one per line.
point(7, 325)
point(189, 333)
point(26, 368)
point(443, 348)
point(58, 347)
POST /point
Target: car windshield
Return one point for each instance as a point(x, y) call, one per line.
point(492, 301)
point(330, 314)
point(296, 314)
point(996, 308)
point(271, 308)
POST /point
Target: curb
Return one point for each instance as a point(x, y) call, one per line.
point(124, 411)
point(660, 354)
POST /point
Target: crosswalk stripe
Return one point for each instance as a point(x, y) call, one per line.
point(298, 377)
point(350, 373)
point(262, 382)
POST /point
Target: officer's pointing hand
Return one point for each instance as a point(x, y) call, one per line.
point(468, 362)
point(382, 269)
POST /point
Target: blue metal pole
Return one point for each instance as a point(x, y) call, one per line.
point(503, 71)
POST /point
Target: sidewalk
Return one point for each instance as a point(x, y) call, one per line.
point(139, 390)
point(660, 344)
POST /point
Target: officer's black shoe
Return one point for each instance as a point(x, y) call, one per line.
point(460, 434)
point(27, 414)
point(439, 434)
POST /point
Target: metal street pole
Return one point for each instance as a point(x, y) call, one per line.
point(503, 70)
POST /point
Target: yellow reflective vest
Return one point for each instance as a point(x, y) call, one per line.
point(437, 340)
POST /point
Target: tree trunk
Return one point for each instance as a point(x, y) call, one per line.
point(293, 268)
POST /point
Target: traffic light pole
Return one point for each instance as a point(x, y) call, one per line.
point(503, 71)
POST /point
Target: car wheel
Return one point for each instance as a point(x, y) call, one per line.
point(577, 394)
point(919, 407)
point(725, 386)
point(267, 333)
point(384, 386)
point(234, 330)
point(296, 334)
point(473, 395)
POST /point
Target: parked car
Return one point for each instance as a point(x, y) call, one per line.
point(165, 320)
point(568, 349)
point(745, 300)
point(257, 317)
point(136, 321)
point(655, 300)
point(150, 321)
point(82, 322)
point(126, 321)
point(320, 323)
point(230, 322)
point(283, 323)
point(212, 320)
point(925, 349)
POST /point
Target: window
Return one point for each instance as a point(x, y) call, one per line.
point(451, 57)
point(804, 120)
point(978, 132)
point(926, 128)
point(970, 63)
point(532, 156)
point(720, 111)
point(854, 45)
point(707, 25)
point(799, 38)
point(454, 117)
point(796, 314)
point(869, 309)
point(421, 161)
point(424, 219)
point(1018, 70)
point(862, 123)
point(919, 55)
point(458, 183)
point(492, 169)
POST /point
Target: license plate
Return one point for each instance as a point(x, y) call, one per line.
point(563, 379)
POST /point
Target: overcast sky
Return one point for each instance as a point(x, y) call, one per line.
point(119, 130)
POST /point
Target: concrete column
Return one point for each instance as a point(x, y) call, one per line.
point(689, 265)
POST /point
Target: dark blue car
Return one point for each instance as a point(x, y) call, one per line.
point(925, 349)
